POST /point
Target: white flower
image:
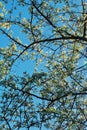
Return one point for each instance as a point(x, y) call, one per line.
point(85, 101)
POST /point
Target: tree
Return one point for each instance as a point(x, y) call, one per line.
point(51, 33)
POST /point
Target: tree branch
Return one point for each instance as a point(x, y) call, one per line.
point(12, 38)
point(7, 123)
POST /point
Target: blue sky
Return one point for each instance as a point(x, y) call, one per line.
point(21, 66)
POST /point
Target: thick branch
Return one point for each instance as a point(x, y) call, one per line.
point(72, 37)
point(65, 95)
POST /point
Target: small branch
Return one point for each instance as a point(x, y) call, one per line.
point(31, 94)
point(43, 15)
point(12, 38)
point(8, 123)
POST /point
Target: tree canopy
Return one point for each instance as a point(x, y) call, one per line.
point(43, 64)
